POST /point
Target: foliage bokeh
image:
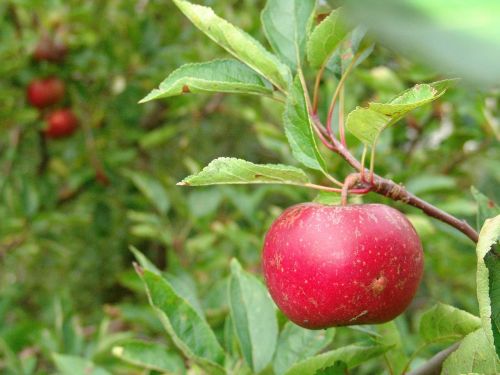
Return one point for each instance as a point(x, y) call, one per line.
point(67, 285)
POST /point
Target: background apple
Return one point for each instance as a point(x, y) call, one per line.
point(50, 49)
point(42, 93)
point(61, 123)
point(340, 265)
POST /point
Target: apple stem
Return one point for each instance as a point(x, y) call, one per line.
point(350, 181)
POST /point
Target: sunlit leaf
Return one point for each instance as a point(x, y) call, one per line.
point(474, 355)
point(325, 38)
point(237, 42)
point(366, 124)
point(238, 171)
point(488, 280)
point(229, 76)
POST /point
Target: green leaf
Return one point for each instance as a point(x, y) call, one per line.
point(73, 365)
point(389, 334)
point(287, 24)
point(238, 43)
point(474, 355)
point(296, 343)
point(149, 355)
point(254, 317)
point(486, 207)
point(447, 323)
point(188, 330)
point(144, 261)
point(152, 189)
point(238, 171)
point(182, 284)
point(351, 355)
point(325, 38)
point(338, 368)
point(356, 45)
point(407, 101)
point(325, 197)
point(366, 124)
point(229, 76)
point(298, 129)
point(488, 280)
point(453, 36)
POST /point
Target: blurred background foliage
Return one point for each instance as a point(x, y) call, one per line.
point(67, 285)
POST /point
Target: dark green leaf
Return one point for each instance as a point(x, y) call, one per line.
point(351, 355)
point(486, 207)
point(188, 330)
point(447, 323)
point(296, 343)
point(287, 24)
point(149, 355)
point(152, 189)
point(254, 317)
point(298, 129)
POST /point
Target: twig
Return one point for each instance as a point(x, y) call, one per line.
point(341, 118)
point(433, 366)
point(336, 94)
point(397, 192)
point(44, 153)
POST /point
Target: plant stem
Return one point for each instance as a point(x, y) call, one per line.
point(316, 88)
point(363, 158)
point(341, 118)
point(434, 365)
point(337, 93)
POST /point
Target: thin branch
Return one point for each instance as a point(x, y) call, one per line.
point(44, 153)
point(316, 88)
point(397, 192)
point(433, 366)
point(341, 118)
point(337, 93)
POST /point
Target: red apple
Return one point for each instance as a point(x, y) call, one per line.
point(42, 93)
point(61, 123)
point(329, 266)
point(49, 49)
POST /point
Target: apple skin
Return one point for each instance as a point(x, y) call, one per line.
point(43, 93)
point(61, 123)
point(329, 266)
